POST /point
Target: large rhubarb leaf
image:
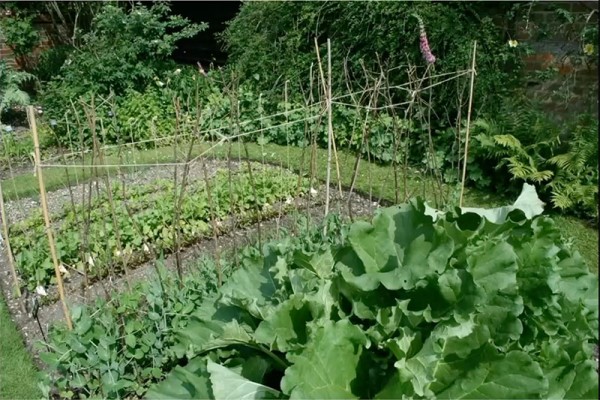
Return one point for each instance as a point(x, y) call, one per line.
point(327, 367)
point(226, 385)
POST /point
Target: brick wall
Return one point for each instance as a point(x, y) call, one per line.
point(560, 78)
point(43, 26)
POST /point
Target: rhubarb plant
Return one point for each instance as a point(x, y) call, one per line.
point(417, 303)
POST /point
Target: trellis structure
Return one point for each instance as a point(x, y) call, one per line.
point(100, 176)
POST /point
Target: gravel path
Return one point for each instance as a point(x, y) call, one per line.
point(18, 210)
point(312, 206)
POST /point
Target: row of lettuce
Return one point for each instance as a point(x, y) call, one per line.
point(121, 231)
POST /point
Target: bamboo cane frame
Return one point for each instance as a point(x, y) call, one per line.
point(44, 203)
point(469, 110)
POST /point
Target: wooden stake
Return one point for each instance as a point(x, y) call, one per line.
point(330, 117)
point(331, 148)
point(44, 202)
point(9, 255)
point(328, 106)
point(466, 155)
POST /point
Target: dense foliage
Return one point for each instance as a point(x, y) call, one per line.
point(418, 303)
point(20, 36)
point(87, 239)
point(522, 144)
point(275, 39)
point(11, 91)
point(126, 48)
point(120, 347)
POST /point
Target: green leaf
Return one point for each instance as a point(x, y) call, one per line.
point(285, 329)
point(326, 368)
point(130, 340)
point(320, 263)
point(189, 382)
point(516, 376)
point(250, 288)
point(494, 267)
point(528, 202)
point(373, 243)
point(226, 384)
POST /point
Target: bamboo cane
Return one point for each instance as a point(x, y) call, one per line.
point(44, 203)
point(9, 255)
point(466, 155)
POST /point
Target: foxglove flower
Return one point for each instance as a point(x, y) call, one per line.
point(424, 43)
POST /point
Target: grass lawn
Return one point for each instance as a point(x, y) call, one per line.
point(17, 373)
point(17, 379)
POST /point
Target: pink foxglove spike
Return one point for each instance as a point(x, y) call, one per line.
point(424, 43)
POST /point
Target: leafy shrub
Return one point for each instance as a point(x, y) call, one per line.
point(275, 39)
point(142, 116)
point(522, 144)
point(416, 304)
point(11, 93)
point(125, 49)
point(50, 62)
point(20, 35)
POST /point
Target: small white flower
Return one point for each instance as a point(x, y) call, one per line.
point(313, 192)
point(177, 71)
point(288, 200)
point(513, 43)
point(62, 269)
point(90, 261)
point(160, 84)
point(117, 253)
point(146, 248)
point(41, 291)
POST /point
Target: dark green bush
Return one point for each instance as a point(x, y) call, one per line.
point(523, 144)
point(51, 61)
point(275, 40)
point(126, 49)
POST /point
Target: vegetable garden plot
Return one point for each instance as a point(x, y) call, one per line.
point(416, 303)
point(144, 217)
point(412, 290)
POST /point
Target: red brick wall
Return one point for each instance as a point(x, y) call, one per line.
point(571, 85)
point(6, 52)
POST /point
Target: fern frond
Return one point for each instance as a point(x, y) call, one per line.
point(509, 142)
point(519, 169)
point(13, 96)
point(541, 176)
point(564, 161)
point(562, 201)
